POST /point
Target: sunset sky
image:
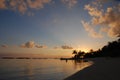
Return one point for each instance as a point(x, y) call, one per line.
point(57, 27)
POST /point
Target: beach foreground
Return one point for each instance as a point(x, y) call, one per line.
point(102, 69)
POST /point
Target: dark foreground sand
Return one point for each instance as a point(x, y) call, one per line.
point(102, 69)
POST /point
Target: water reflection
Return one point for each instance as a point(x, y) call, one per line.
point(50, 69)
point(28, 71)
point(79, 64)
point(78, 61)
point(66, 60)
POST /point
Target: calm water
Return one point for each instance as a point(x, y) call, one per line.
point(38, 69)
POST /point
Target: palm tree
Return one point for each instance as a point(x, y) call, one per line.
point(75, 53)
point(80, 54)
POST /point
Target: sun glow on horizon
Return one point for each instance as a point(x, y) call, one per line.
point(82, 49)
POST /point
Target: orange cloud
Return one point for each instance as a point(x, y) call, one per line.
point(91, 30)
point(93, 11)
point(17, 5)
point(111, 19)
point(23, 5)
point(37, 4)
point(69, 3)
point(2, 4)
point(108, 20)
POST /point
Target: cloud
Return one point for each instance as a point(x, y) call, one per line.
point(66, 47)
point(2, 4)
point(91, 30)
point(105, 1)
point(32, 44)
point(108, 20)
point(57, 47)
point(40, 46)
point(17, 5)
point(4, 46)
point(93, 11)
point(111, 19)
point(29, 44)
point(69, 3)
point(63, 47)
point(37, 4)
point(23, 6)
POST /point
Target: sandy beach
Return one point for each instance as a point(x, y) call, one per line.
point(102, 69)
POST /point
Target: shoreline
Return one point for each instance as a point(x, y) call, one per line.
point(102, 69)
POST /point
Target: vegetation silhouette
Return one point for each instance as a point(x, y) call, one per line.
point(112, 49)
point(78, 55)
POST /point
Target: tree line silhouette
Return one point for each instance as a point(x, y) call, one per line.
point(112, 49)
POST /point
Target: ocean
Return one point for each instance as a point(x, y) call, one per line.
point(39, 69)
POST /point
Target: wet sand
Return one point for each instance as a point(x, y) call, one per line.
point(102, 69)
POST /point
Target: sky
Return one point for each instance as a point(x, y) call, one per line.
point(54, 28)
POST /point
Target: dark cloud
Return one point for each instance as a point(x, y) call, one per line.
point(40, 46)
point(56, 47)
point(66, 47)
point(4, 45)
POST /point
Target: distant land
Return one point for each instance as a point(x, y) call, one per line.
point(25, 58)
point(28, 56)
